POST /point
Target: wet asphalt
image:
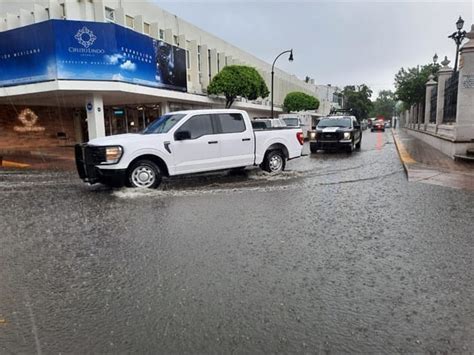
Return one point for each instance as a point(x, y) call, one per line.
point(340, 254)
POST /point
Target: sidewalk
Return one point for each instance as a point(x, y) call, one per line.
point(50, 158)
point(426, 164)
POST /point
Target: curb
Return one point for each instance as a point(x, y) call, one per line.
point(403, 154)
point(12, 164)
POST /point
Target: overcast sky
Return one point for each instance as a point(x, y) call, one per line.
point(335, 42)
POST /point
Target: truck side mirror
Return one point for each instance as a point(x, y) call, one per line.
point(182, 135)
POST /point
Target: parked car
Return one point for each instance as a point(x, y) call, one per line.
point(378, 126)
point(186, 142)
point(271, 122)
point(363, 124)
point(291, 121)
point(336, 132)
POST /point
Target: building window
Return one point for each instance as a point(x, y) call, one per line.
point(110, 14)
point(146, 28)
point(199, 58)
point(218, 63)
point(209, 62)
point(188, 60)
point(176, 40)
point(129, 21)
point(63, 10)
point(162, 34)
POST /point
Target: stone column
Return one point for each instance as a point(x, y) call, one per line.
point(444, 74)
point(165, 107)
point(95, 116)
point(99, 10)
point(465, 105)
point(193, 61)
point(138, 23)
point(430, 85)
point(155, 30)
point(169, 36)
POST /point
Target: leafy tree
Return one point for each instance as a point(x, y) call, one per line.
point(238, 80)
point(410, 83)
point(299, 101)
point(384, 105)
point(357, 99)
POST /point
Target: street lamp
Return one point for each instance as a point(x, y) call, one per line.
point(435, 58)
point(290, 58)
point(458, 37)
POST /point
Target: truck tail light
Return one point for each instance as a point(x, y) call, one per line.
point(299, 136)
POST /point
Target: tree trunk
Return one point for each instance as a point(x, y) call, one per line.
point(229, 101)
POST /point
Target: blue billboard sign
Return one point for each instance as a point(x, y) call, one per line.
point(79, 50)
point(27, 55)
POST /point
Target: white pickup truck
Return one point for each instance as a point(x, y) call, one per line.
point(186, 142)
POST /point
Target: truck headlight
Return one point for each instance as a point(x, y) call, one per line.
point(347, 135)
point(312, 135)
point(113, 154)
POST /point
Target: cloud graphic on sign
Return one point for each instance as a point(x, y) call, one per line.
point(128, 65)
point(113, 59)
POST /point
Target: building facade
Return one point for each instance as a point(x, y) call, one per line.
point(81, 99)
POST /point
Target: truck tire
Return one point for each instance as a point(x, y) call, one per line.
point(351, 148)
point(144, 174)
point(274, 161)
point(313, 150)
point(359, 144)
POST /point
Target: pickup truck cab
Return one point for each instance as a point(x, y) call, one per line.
point(336, 132)
point(186, 142)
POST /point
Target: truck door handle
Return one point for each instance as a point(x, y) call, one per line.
point(245, 139)
point(212, 142)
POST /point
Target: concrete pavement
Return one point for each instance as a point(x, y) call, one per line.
point(426, 164)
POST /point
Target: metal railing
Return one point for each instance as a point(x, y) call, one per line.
point(451, 98)
point(434, 104)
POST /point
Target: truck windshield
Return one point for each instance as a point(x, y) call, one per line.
point(334, 122)
point(163, 124)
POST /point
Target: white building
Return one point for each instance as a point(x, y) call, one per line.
point(93, 107)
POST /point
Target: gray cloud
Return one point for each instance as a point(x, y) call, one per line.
point(335, 42)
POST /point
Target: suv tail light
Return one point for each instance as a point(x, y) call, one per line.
point(299, 136)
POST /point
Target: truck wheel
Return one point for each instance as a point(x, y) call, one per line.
point(313, 150)
point(359, 144)
point(144, 174)
point(351, 148)
point(274, 161)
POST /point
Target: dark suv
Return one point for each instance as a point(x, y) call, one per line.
point(336, 132)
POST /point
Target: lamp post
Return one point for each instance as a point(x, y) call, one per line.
point(435, 58)
point(290, 58)
point(458, 37)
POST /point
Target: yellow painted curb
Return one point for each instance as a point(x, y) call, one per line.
point(405, 157)
point(12, 164)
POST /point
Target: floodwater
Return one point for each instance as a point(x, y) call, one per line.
point(338, 254)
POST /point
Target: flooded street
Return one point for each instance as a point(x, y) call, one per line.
point(338, 254)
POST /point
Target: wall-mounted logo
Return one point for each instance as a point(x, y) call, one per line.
point(29, 120)
point(85, 37)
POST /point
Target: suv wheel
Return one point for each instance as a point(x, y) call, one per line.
point(144, 174)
